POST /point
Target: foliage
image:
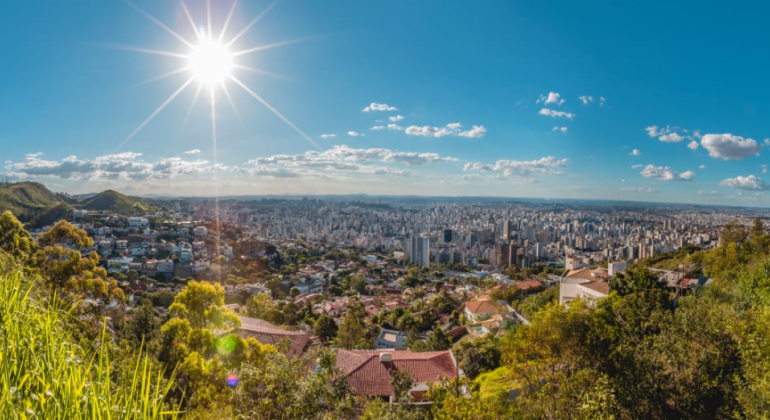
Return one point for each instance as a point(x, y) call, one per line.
point(289, 390)
point(44, 374)
point(437, 340)
point(14, 239)
point(352, 333)
point(477, 356)
point(325, 327)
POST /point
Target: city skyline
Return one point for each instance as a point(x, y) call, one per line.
point(498, 99)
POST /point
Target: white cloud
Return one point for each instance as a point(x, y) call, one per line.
point(476, 132)
point(637, 166)
point(764, 168)
point(622, 180)
point(378, 127)
point(693, 145)
point(636, 152)
point(394, 127)
point(328, 136)
point(730, 147)
point(354, 134)
point(702, 167)
point(343, 157)
point(556, 114)
point(428, 131)
point(192, 152)
point(654, 131)
point(671, 138)
point(545, 166)
point(750, 182)
point(586, 99)
point(552, 98)
point(125, 166)
point(640, 190)
point(396, 118)
point(451, 129)
point(664, 173)
point(379, 107)
point(709, 193)
point(562, 129)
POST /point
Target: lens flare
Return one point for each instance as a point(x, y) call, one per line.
point(232, 381)
point(225, 345)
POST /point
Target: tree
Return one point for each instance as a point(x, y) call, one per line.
point(293, 292)
point(14, 239)
point(65, 232)
point(325, 327)
point(284, 388)
point(202, 305)
point(352, 333)
point(437, 341)
point(477, 356)
point(733, 232)
point(634, 280)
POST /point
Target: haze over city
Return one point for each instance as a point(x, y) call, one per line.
point(484, 99)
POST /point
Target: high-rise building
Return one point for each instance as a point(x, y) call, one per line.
point(507, 229)
point(448, 235)
point(419, 250)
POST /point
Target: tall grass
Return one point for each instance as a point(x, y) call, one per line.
point(44, 375)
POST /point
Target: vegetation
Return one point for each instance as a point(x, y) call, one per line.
point(116, 202)
point(44, 374)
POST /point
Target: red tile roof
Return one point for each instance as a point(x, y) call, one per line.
point(530, 284)
point(368, 376)
point(267, 333)
point(478, 307)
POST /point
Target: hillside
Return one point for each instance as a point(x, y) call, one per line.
point(115, 202)
point(28, 200)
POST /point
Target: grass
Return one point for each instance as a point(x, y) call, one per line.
point(44, 375)
point(493, 384)
point(116, 202)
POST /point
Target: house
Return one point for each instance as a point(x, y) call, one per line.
point(391, 339)
point(370, 372)
point(267, 333)
point(584, 283)
point(478, 310)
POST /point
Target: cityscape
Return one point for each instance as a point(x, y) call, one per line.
point(224, 209)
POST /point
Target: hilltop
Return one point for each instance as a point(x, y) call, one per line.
point(31, 201)
point(115, 202)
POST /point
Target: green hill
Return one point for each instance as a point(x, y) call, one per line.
point(28, 200)
point(116, 202)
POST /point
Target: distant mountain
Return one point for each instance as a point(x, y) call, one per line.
point(31, 201)
point(116, 202)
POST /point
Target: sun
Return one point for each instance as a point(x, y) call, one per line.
point(211, 62)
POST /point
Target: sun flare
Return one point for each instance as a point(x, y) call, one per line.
point(211, 62)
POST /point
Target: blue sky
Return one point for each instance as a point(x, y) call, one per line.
point(482, 98)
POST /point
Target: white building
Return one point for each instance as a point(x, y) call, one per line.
point(419, 250)
point(138, 223)
point(615, 267)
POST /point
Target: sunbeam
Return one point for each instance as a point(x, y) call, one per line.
point(260, 71)
point(247, 27)
point(162, 76)
point(159, 23)
point(153, 52)
point(160, 108)
point(230, 99)
point(190, 18)
point(194, 101)
point(267, 47)
point(227, 21)
point(275, 111)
